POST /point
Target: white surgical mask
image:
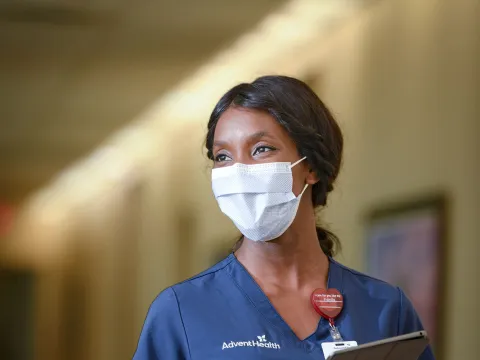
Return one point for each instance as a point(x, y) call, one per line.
point(257, 198)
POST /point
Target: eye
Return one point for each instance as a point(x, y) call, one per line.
point(221, 158)
point(263, 149)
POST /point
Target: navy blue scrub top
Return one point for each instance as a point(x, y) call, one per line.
point(223, 314)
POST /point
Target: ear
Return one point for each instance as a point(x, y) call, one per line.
point(312, 177)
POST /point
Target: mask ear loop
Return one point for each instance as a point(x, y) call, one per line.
point(304, 188)
point(297, 162)
point(306, 185)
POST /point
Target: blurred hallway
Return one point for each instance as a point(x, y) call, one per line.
point(72, 73)
point(105, 194)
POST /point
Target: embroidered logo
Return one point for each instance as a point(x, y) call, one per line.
point(260, 342)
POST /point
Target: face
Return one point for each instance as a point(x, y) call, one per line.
point(252, 137)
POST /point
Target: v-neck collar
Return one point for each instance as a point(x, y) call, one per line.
point(260, 301)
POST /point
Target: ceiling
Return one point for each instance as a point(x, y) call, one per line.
point(72, 72)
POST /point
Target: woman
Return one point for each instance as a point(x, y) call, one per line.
point(277, 151)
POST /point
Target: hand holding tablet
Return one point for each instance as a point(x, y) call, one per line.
point(404, 347)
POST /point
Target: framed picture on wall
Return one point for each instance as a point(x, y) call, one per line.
point(406, 247)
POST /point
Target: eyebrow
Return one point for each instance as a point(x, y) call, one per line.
point(258, 135)
point(254, 137)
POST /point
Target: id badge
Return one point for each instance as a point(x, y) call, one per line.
point(330, 347)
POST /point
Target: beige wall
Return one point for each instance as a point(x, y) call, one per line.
point(402, 79)
point(404, 82)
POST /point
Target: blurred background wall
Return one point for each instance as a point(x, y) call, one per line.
point(102, 163)
point(404, 81)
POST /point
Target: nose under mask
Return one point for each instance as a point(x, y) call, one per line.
point(258, 198)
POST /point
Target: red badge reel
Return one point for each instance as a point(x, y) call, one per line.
point(328, 304)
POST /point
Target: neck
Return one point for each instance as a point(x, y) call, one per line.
point(294, 261)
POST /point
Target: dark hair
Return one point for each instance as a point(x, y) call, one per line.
point(308, 121)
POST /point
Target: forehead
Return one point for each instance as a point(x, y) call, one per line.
point(238, 122)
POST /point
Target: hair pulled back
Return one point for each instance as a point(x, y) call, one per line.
point(309, 123)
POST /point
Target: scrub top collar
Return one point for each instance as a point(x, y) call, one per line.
point(257, 297)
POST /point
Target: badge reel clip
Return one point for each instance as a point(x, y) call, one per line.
point(328, 304)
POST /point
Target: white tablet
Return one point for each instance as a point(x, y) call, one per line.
point(403, 347)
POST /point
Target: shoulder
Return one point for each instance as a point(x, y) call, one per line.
point(206, 278)
point(163, 304)
point(210, 272)
point(390, 299)
point(164, 332)
point(361, 283)
point(171, 298)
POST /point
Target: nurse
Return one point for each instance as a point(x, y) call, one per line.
point(276, 152)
